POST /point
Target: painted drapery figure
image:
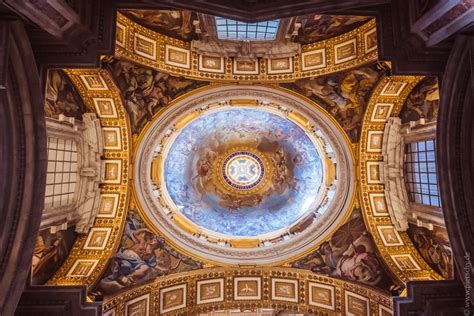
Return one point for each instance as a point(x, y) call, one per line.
point(144, 91)
point(344, 95)
point(349, 254)
point(143, 256)
point(61, 97)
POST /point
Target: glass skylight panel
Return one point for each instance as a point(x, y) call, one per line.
point(228, 29)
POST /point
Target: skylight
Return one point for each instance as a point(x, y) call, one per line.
point(236, 30)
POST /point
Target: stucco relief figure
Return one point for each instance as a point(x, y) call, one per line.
point(245, 50)
point(422, 102)
point(174, 23)
point(349, 254)
point(142, 257)
point(344, 95)
point(434, 247)
point(61, 97)
point(145, 91)
point(316, 28)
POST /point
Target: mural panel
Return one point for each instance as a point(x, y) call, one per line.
point(422, 102)
point(174, 23)
point(142, 257)
point(61, 97)
point(433, 246)
point(51, 250)
point(344, 95)
point(145, 91)
point(315, 28)
point(349, 254)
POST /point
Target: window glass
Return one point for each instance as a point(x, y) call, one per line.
point(420, 173)
point(61, 173)
point(237, 30)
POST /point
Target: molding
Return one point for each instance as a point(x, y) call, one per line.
point(86, 262)
point(253, 11)
point(57, 300)
point(432, 298)
point(401, 256)
point(293, 290)
point(178, 58)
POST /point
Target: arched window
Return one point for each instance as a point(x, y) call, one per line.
point(61, 173)
point(420, 172)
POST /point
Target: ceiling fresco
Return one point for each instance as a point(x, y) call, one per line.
point(201, 181)
point(61, 98)
point(144, 90)
point(232, 173)
point(350, 253)
point(315, 28)
point(344, 95)
point(434, 247)
point(238, 171)
point(51, 250)
point(422, 102)
point(142, 257)
point(174, 23)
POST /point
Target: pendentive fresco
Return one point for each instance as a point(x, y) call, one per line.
point(344, 95)
point(142, 257)
point(144, 90)
point(350, 254)
point(422, 102)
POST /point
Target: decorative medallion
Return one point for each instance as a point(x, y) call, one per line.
point(243, 170)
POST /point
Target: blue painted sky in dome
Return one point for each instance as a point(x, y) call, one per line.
point(275, 212)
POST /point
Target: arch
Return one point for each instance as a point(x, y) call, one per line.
point(395, 247)
point(248, 289)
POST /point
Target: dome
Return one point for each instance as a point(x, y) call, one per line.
point(243, 173)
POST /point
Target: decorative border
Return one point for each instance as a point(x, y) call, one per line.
point(258, 289)
point(129, 308)
point(180, 289)
point(290, 282)
point(303, 280)
point(390, 92)
point(364, 300)
point(199, 296)
point(112, 213)
point(329, 288)
point(191, 64)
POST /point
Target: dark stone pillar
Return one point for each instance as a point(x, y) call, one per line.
point(22, 161)
point(455, 155)
point(56, 301)
point(431, 298)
